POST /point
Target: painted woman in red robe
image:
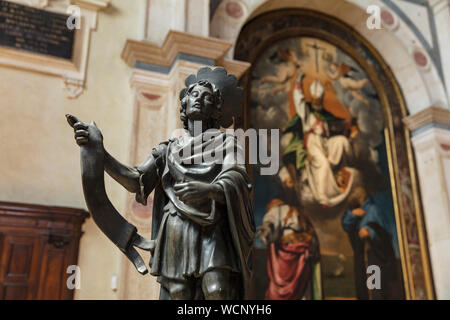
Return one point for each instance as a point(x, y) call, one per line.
point(293, 248)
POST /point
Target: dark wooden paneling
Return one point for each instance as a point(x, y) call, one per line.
point(19, 258)
point(37, 244)
point(14, 291)
point(18, 266)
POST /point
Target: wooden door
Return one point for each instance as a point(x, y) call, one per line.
point(18, 266)
point(37, 245)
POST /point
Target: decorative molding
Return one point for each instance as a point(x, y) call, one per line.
point(73, 87)
point(434, 138)
point(39, 4)
point(175, 42)
point(390, 20)
point(428, 118)
point(91, 4)
point(180, 46)
point(26, 210)
point(151, 89)
point(72, 72)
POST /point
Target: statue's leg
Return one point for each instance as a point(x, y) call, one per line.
point(164, 294)
point(217, 285)
point(181, 290)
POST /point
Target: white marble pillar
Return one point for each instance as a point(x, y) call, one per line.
point(191, 16)
point(431, 140)
point(163, 16)
point(197, 17)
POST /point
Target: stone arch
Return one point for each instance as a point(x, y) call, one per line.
point(409, 61)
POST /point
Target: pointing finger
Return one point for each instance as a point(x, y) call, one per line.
point(71, 119)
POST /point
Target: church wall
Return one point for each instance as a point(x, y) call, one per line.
point(40, 161)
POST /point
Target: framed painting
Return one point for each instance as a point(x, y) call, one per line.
point(342, 218)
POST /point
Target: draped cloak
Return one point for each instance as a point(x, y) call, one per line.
point(375, 250)
point(191, 240)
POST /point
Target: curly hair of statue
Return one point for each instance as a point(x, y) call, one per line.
point(226, 94)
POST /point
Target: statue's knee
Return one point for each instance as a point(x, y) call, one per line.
point(216, 291)
point(180, 291)
point(216, 285)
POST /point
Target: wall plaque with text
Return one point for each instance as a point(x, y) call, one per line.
point(34, 30)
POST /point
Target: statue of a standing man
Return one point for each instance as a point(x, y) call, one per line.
point(202, 223)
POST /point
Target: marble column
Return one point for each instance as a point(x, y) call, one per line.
point(430, 130)
point(191, 16)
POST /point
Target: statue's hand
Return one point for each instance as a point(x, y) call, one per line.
point(85, 134)
point(194, 191)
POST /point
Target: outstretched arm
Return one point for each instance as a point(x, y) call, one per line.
point(123, 234)
point(128, 177)
point(141, 179)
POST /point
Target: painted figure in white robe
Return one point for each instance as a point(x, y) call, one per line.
point(325, 155)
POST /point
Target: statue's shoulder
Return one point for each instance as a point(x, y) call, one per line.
point(233, 142)
point(161, 149)
point(227, 137)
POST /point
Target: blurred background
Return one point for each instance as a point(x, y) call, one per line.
point(381, 69)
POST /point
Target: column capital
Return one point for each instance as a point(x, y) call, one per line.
point(181, 46)
point(431, 117)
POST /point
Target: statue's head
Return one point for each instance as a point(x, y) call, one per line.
point(212, 96)
point(202, 102)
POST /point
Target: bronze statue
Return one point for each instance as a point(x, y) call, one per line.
point(202, 222)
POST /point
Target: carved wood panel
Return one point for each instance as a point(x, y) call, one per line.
point(17, 266)
point(37, 244)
